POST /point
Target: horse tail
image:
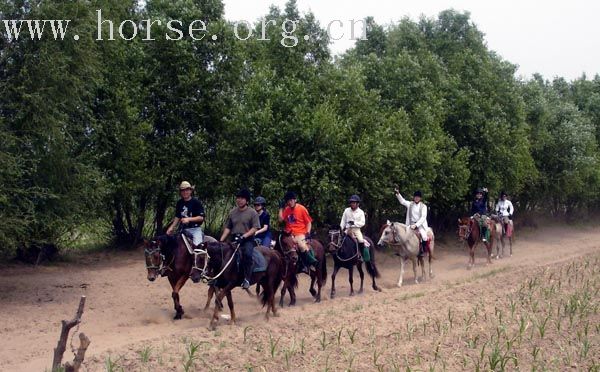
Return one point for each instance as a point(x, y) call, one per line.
point(324, 268)
point(273, 278)
point(292, 277)
point(371, 266)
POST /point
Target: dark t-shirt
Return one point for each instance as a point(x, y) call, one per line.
point(264, 219)
point(190, 208)
point(240, 221)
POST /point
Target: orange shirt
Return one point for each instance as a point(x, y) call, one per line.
point(296, 219)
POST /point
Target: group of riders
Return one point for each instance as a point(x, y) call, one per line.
point(249, 226)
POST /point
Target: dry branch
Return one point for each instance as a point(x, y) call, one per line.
point(64, 336)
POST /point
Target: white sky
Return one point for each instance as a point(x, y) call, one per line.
point(554, 38)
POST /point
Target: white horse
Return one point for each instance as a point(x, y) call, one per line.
point(406, 245)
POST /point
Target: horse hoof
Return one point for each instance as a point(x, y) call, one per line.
point(360, 292)
point(377, 289)
point(351, 294)
point(313, 292)
point(318, 300)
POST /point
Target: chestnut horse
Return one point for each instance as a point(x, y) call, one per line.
point(346, 255)
point(469, 231)
point(284, 243)
point(218, 263)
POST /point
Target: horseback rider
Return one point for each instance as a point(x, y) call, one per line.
point(298, 223)
point(416, 217)
point(353, 219)
point(479, 211)
point(263, 235)
point(504, 209)
point(189, 212)
point(242, 223)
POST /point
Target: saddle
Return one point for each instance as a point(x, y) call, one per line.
point(259, 262)
point(428, 245)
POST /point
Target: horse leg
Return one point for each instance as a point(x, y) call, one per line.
point(335, 270)
point(362, 276)
point(219, 298)
point(292, 292)
point(231, 310)
point(414, 262)
point(489, 247)
point(351, 279)
point(510, 245)
point(284, 286)
point(422, 263)
point(209, 296)
point(319, 286)
point(313, 278)
point(401, 272)
point(471, 256)
point(175, 294)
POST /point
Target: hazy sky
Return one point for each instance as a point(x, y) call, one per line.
point(554, 38)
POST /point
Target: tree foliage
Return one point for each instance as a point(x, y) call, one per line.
point(96, 131)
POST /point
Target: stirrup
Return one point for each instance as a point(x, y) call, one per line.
point(245, 284)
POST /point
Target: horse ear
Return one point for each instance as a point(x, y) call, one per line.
point(388, 222)
point(459, 220)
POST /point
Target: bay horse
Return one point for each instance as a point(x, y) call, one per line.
point(469, 231)
point(345, 253)
point(406, 244)
point(507, 233)
point(169, 256)
point(219, 262)
point(284, 243)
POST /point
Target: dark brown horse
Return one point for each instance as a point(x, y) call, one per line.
point(469, 231)
point(284, 243)
point(219, 264)
point(346, 255)
point(169, 256)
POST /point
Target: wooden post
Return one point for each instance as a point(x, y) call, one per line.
point(84, 342)
point(64, 336)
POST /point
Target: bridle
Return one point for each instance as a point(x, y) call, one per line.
point(149, 252)
point(338, 245)
point(203, 271)
point(466, 228)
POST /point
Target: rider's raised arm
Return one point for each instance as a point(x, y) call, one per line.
point(510, 208)
point(402, 201)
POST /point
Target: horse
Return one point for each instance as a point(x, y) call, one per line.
point(507, 232)
point(345, 253)
point(219, 262)
point(407, 243)
point(170, 257)
point(469, 231)
point(284, 243)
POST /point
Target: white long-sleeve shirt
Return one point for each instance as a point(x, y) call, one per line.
point(416, 214)
point(357, 216)
point(504, 208)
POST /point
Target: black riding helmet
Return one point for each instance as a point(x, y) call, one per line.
point(289, 196)
point(244, 193)
point(354, 198)
point(260, 200)
point(418, 193)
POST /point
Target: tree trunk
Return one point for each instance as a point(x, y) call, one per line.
point(64, 335)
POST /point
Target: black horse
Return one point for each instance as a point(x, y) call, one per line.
point(346, 254)
point(219, 263)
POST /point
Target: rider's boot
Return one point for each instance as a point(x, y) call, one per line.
point(309, 260)
point(484, 233)
point(364, 251)
point(422, 248)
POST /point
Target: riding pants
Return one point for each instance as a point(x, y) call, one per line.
point(247, 248)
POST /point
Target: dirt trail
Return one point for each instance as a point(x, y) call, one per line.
point(124, 311)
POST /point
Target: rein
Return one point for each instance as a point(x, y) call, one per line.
point(339, 245)
point(150, 253)
point(208, 278)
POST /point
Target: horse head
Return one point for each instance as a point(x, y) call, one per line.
point(288, 246)
point(464, 227)
point(387, 234)
point(334, 241)
point(200, 263)
point(154, 258)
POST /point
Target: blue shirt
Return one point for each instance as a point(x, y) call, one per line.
point(264, 219)
point(479, 206)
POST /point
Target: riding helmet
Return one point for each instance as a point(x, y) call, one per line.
point(260, 200)
point(418, 193)
point(354, 198)
point(289, 196)
point(243, 193)
point(479, 191)
point(503, 194)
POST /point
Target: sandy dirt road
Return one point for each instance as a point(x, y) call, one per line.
point(125, 314)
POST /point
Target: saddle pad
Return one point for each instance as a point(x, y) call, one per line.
point(259, 263)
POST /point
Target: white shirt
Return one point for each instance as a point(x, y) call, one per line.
point(504, 208)
point(416, 213)
point(357, 215)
